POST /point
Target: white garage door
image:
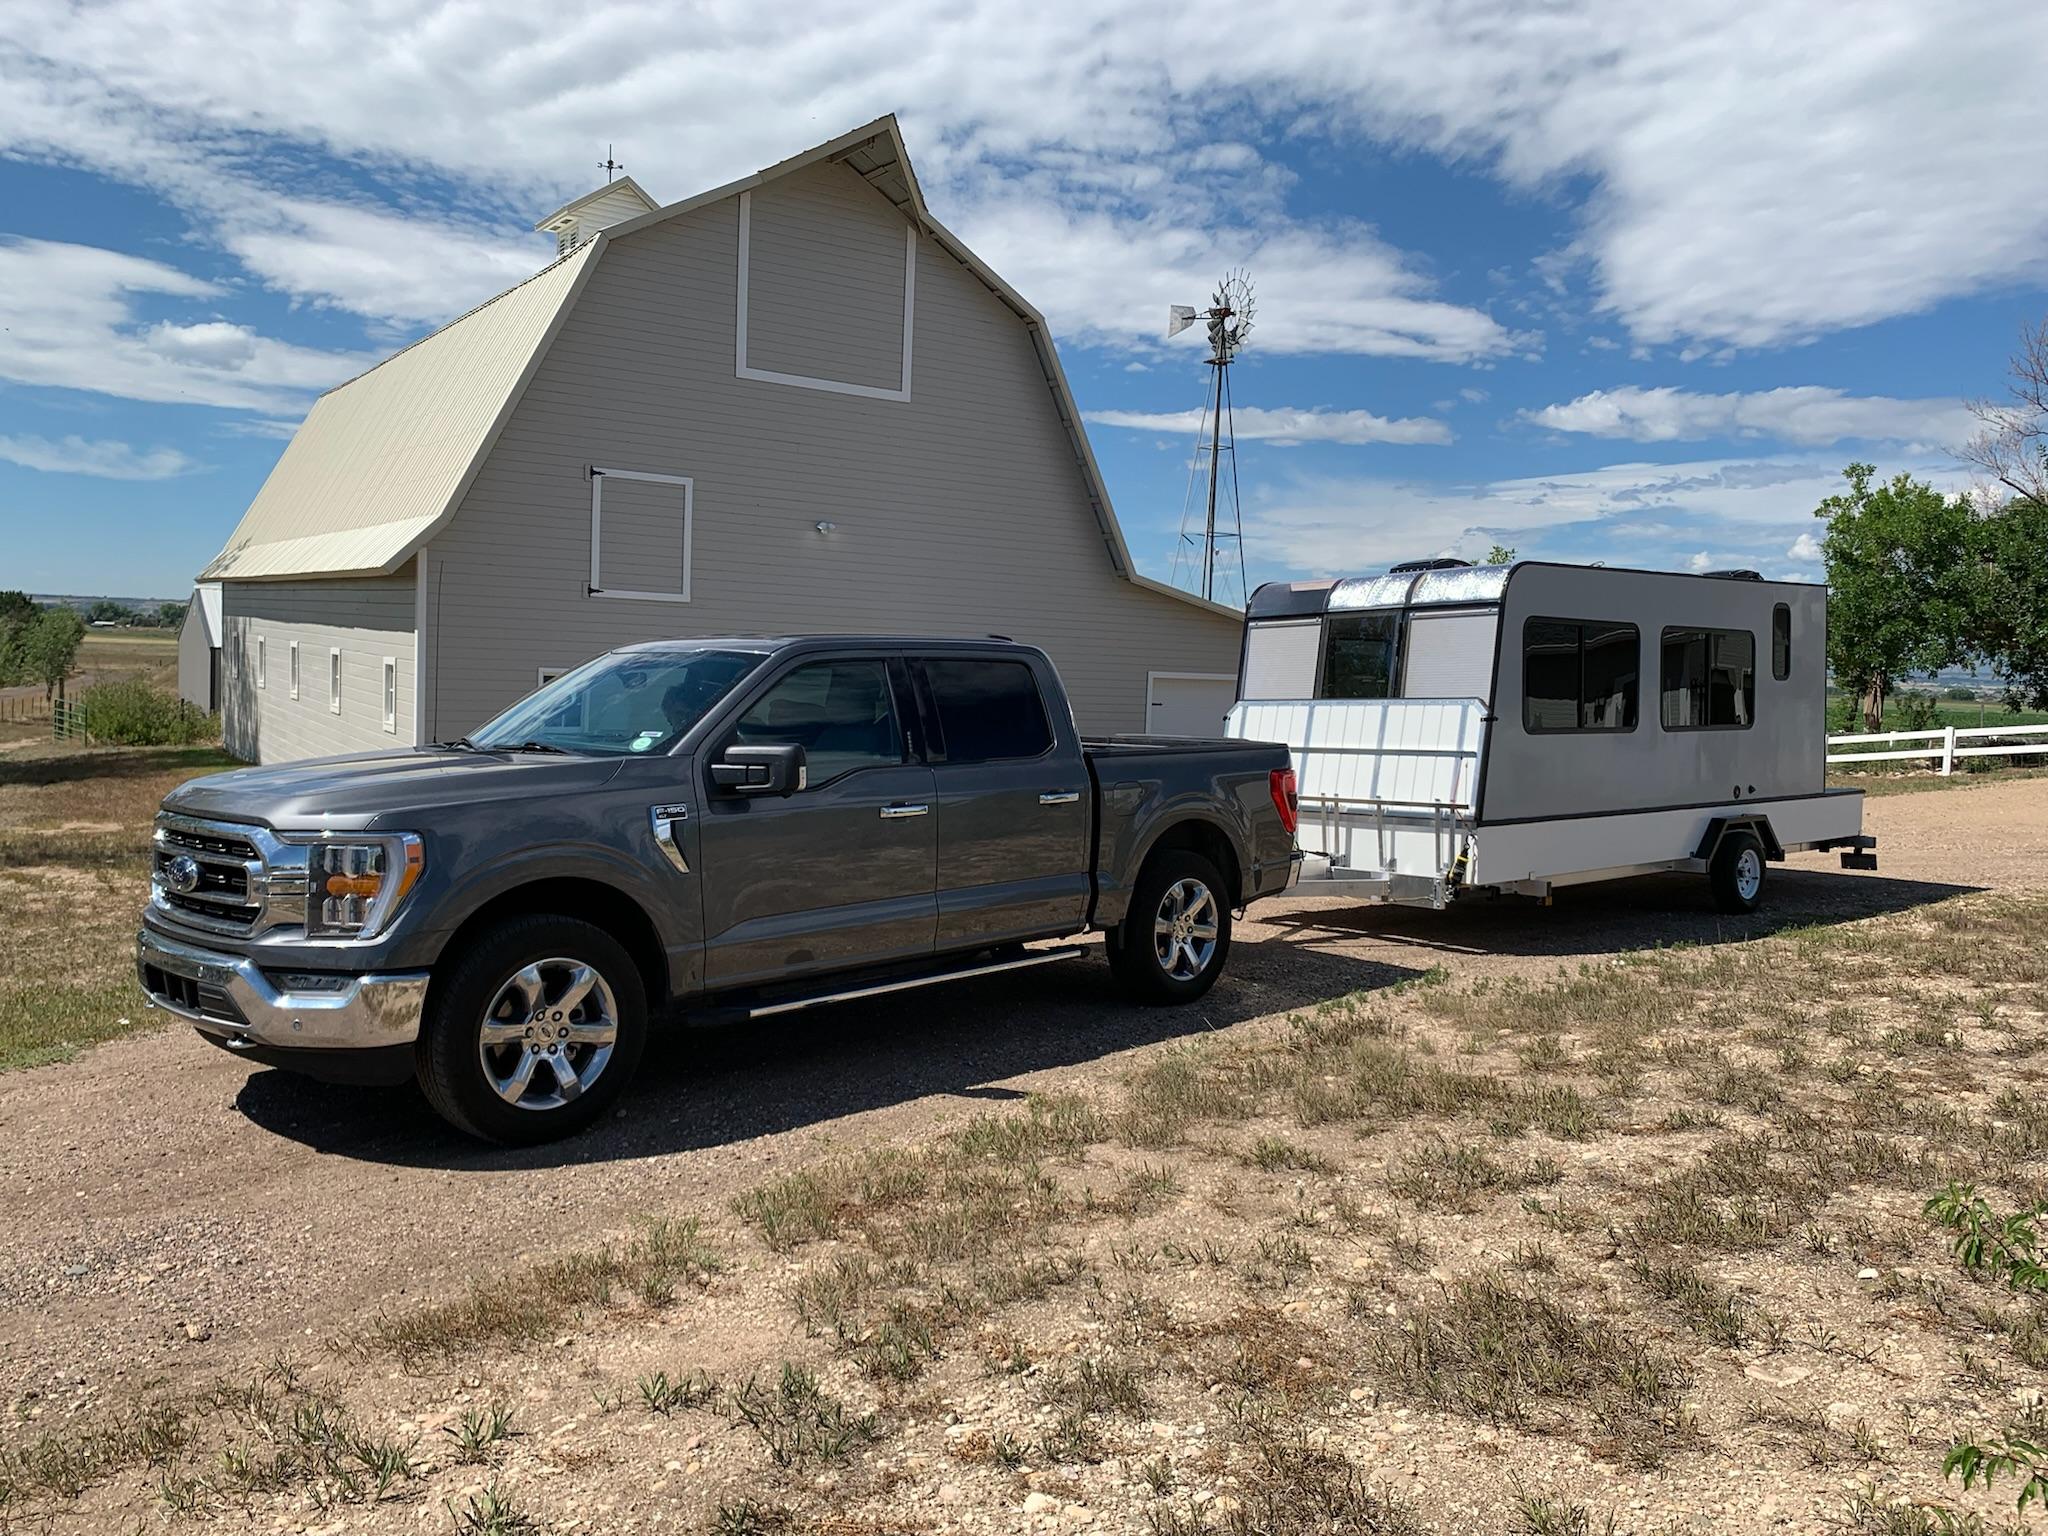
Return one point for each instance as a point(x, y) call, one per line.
point(1188, 703)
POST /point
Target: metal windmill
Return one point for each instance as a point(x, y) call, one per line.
point(1229, 317)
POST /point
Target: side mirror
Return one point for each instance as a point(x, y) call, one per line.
point(761, 770)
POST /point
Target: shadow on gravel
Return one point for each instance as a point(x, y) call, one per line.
point(1656, 910)
point(701, 1088)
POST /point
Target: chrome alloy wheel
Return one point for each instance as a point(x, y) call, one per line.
point(1184, 930)
point(548, 1034)
point(1749, 873)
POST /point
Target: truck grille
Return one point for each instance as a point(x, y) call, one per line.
point(193, 996)
point(222, 891)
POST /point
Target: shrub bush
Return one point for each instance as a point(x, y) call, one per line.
point(131, 713)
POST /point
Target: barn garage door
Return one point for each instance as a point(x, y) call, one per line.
point(1188, 704)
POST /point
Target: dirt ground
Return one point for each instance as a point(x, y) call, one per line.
point(173, 1217)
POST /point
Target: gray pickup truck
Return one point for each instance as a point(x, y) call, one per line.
point(725, 829)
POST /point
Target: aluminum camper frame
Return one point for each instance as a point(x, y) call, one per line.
point(1520, 728)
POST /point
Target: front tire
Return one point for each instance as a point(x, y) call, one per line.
point(1175, 937)
point(532, 1031)
point(1737, 873)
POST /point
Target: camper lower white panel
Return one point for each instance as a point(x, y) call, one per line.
point(1554, 850)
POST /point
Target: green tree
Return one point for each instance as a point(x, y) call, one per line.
point(50, 647)
point(2012, 609)
point(16, 614)
point(1501, 554)
point(170, 615)
point(1903, 584)
point(106, 610)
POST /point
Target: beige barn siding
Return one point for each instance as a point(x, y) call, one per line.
point(369, 618)
point(826, 309)
point(958, 512)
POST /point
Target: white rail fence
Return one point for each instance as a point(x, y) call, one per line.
point(1945, 746)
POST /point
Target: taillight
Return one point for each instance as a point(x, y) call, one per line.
point(1285, 801)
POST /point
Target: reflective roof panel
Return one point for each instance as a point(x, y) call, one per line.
point(1371, 592)
point(1472, 584)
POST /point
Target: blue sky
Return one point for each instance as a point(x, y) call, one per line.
point(1591, 281)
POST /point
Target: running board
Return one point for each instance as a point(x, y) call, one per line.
point(906, 983)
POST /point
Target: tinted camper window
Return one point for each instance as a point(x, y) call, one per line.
point(1579, 675)
point(1709, 679)
point(1781, 642)
point(1358, 656)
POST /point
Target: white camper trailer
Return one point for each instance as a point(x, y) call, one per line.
point(1517, 728)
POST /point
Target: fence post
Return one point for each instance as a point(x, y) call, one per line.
point(1948, 750)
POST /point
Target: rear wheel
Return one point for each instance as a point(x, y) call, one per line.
point(1174, 939)
point(534, 1031)
point(1737, 873)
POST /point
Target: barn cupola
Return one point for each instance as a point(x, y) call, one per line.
point(576, 223)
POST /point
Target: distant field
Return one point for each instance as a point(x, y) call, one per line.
point(1957, 713)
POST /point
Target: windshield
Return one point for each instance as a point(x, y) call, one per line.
point(627, 702)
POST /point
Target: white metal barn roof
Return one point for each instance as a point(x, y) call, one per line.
point(381, 463)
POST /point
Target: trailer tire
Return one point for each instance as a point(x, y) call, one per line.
point(1737, 872)
point(532, 1031)
point(1161, 968)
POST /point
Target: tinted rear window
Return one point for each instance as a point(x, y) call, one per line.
point(988, 710)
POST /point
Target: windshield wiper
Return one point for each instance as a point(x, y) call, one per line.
point(460, 744)
point(538, 746)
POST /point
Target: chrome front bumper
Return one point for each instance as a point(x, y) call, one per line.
point(231, 999)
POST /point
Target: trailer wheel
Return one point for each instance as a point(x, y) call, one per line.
point(1737, 872)
point(1174, 939)
point(532, 1031)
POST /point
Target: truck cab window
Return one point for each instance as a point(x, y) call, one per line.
point(989, 711)
point(1358, 656)
point(1709, 679)
point(840, 712)
point(1580, 675)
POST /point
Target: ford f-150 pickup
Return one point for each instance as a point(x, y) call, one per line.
point(725, 829)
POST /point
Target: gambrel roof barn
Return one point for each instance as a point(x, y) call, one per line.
point(792, 403)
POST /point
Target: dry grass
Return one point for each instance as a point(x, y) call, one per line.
point(74, 875)
point(1665, 1210)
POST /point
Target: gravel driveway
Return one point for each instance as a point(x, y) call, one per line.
point(170, 1212)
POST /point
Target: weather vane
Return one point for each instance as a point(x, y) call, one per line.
point(609, 166)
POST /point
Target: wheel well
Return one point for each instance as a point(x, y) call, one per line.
point(610, 909)
point(1721, 826)
point(1209, 840)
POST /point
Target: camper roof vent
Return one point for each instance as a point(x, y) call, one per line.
point(1736, 575)
point(1442, 563)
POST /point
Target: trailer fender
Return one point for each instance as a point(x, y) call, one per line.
point(1721, 826)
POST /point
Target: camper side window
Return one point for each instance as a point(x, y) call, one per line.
point(1358, 656)
point(1709, 679)
point(1579, 675)
point(1781, 642)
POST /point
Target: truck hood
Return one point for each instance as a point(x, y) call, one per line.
point(367, 791)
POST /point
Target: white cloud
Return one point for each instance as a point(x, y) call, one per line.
point(1805, 547)
point(70, 319)
point(1804, 415)
point(1288, 426)
point(1699, 561)
point(105, 459)
point(1754, 173)
point(1634, 513)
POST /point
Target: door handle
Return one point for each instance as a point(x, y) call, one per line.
point(1059, 797)
point(898, 812)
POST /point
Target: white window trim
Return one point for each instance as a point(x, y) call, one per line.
point(334, 679)
point(597, 480)
point(804, 381)
point(295, 668)
point(262, 667)
point(542, 676)
point(391, 694)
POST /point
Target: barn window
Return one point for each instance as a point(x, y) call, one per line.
point(391, 694)
point(333, 681)
point(1781, 642)
point(260, 668)
point(294, 660)
point(1580, 675)
point(1709, 679)
point(640, 535)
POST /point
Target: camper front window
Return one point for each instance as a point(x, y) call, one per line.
point(1709, 679)
point(1358, 656)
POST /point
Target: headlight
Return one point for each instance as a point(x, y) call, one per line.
point(354, 885)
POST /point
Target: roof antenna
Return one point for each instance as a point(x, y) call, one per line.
point(609, 166)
